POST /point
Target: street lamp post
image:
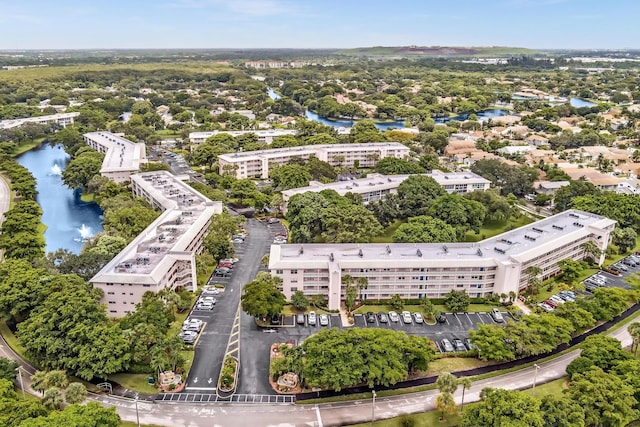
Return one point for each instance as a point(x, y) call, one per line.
point(373, 406)
point(21, 383)
point(137, 416)
point(535, 376)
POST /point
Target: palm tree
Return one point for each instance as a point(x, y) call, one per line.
point(75, 393)
point(56, 379)
point(52, 398)
point(39, 381)
point(512, 296)
point(634, 331)
point(445, 403)
point(534, 281)
point(465, 382)
point(503, 297)
point(361, 283)
point(447, 383)
point(590, 248)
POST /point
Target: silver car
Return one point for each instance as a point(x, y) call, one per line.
point(406, 317)
point(311, 318)
point(393, 316)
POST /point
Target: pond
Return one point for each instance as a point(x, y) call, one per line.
point(69, 220)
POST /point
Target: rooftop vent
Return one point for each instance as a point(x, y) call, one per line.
point(577, 224)
point(301, 250)
point(388, 250)
point(445, 249)
point(419, 253)
point(558, 227)
point(360, 254)
point(331, 257)
point(538, 230)
point(501, 251)
point(479, 252)
point(526, 236)
point(572, 215)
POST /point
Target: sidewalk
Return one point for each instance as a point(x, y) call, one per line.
point(344, 318)
point(522, 306)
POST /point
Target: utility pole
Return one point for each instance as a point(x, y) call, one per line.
point(21, 383)
point(535, 376)
point(373, 406)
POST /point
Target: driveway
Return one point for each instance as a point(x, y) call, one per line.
point(211, 345)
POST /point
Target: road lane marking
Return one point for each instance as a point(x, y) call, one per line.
point(319, 417)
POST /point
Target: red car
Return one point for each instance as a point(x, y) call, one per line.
point(551, 303)
point(225, 265)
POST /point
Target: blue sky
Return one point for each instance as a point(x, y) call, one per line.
point(79, 24)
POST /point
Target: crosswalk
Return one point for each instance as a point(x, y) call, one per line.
point(236, 398)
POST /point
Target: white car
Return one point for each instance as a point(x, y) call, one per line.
point(212, 300)
point(418, 317)
point(210, 290)
point(204, 306)
point(324, 320)
point(406, 317)
point(192, 325)
point(497, 316)
point(393, 316)
point(311, 318)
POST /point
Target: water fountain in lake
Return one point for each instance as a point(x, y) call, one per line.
point(85, 233)
point(55, 170)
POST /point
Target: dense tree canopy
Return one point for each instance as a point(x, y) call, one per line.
point(509, 179)
point(424, 229)
point(262, 296)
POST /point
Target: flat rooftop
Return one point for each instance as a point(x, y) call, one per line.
point(121, 154)
point(185, 213)
point(377, 181)
point(6, 124)
point(502, 248)
point(308, 149)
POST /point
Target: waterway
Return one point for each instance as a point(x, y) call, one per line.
point(383, 126)
point(69, 220)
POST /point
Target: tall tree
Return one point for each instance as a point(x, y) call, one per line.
point(504, 408)
point(445, 403)
point(262, 296)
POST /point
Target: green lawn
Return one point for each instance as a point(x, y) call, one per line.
point(88, 197)
point(11, 339)
point(27, 146)
point(385, 237)
point(432, 418)
point(492, 228)
point(136, 382)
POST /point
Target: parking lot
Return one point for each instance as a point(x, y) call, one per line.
point(613, 281)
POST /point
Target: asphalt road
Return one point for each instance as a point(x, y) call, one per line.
point(211, 344)
point(332, 414)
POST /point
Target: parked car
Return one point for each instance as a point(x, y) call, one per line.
point(311, 318)
point(210, 299)
point(192, 325)
point(371, 318)
point(441, 318)
point(621, 267)
point(418, 318)
point(222, 271)
point(383, 318)
point(276, 319)
point(546, 307)
point(188, 337)
point(210, 290)
point(551, 303)
point(556, 299)
point(300, 319)
point(204, 306)
point(469, 344)
point(324, 320)
point(446, 345)
point(406, 317)
point(393, 316)
point(231, 260)
point(497, 316)
point(458, 345)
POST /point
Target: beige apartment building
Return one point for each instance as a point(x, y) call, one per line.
point(63, 119)
point(122, 157)
point(377, 186)
point(264, 136)
point(256, 164)
point(414, 270)
point(163, 255)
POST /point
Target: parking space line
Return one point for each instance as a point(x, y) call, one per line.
point(457, 318)
point(481, 319)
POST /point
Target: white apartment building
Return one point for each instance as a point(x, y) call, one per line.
point(264, 136)
point(256, 164)
point(63, 119)
point(415, 270)
point(377, 186)
point(163, 255)
point(122, 157)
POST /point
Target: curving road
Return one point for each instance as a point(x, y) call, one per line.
point(332, 414)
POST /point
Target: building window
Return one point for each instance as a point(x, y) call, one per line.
point(146, 286)
point(112, 302)
point(294, 271)
point(111, 293)
point(294, 288)
point(278, 271)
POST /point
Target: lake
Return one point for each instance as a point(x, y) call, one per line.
point(577, 102)
point(69, 220)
